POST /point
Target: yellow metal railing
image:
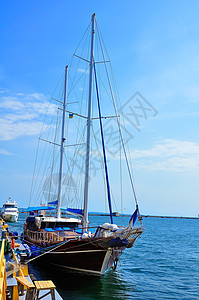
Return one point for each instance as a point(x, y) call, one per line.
point(3, 282)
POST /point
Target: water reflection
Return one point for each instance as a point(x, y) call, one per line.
point(73, 285)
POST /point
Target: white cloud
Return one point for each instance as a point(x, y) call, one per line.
point(5, 152)
point(11, 103)
point(21, 114)
point(169, 155)
point(37, 96)
point(11, 130)
point(3, 90)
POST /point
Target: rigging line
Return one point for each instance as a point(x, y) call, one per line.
point(68, 167)
point(84, 74)
point(112, 197)
point(71, 145)
point(70, 112)
point(117, 92)
point(98, 68)
point(82, 37)
point(45, 117)
point(102, 62)
point(82, 160)
point(74, 85)
point(70, 180)
point(39, 192)
point(49, 142)
point(76, 152)
point(57, 100)
point(99, 153)
point(86, 31)
point(61, 90)
point(79, 120)
point(50, 124)
point(102, 166)
point(121, 186)
point(128, 167)
point(108, 117)
point(39, 167)
point(108, 94)
point(81, 58)
point(101, 81)
point(34, 170)
point(76, 125)
point(81, 105)
point(61, 78)
point(72, 102)
point(63, 243)
point(118, 96)
point(71, 171)
point(72, 80)
point(103, 147)
point(114, 81)
point(115, 86)
point(53, 161)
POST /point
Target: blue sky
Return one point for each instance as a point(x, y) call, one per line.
point(153, 46)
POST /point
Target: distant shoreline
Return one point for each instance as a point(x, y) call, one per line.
point(128, 215)
point(143, 216)
point(169, 217)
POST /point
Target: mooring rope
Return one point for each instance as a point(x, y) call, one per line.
point(46, 252)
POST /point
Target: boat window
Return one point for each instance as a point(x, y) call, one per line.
point(9, 206)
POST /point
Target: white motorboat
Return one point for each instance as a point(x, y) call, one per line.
point(10, 211)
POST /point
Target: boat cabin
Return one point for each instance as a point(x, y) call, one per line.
point(40, 222)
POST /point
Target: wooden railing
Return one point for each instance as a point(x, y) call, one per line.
point(50, 237)
point(43, 236)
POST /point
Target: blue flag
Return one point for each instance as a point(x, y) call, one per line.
point(134, 216)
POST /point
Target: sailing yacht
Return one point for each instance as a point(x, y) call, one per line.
point(10, 211)
point(67, 239)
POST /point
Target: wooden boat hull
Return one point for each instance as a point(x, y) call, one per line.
point(87, 255)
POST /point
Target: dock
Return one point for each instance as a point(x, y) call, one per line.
point(15, 281)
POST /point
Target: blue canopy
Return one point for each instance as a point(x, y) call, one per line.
point(74, 210)
point(53, 202)
point(71, 210)
point(34, 208)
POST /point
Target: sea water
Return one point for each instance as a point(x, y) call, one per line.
point(163, 264)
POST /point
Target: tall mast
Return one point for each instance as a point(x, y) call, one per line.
point(85, 213)
point(62, 145)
